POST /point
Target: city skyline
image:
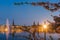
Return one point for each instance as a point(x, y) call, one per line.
point(24, 14)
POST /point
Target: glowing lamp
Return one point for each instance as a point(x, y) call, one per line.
point(6, 29)
point(45, 26)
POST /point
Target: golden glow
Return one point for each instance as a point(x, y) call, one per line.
point(6, 29)
point(40, 29)
point(45, 26)
point(18, 30)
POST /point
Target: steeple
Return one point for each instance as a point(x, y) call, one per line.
point(44, 22)
point(13, 23)
point(38, 23)
point(34, 23)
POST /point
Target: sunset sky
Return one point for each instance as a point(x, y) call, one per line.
point(25, 14)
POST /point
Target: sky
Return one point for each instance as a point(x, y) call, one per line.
point(25, 14)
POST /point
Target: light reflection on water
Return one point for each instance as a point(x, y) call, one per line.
point(3, 37)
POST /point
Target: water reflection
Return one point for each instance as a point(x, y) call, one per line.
point(17, 36)
point(3, 37)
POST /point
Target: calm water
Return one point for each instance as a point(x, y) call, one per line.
point(3, 36)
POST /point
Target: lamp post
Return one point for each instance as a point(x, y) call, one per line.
point(44, 28)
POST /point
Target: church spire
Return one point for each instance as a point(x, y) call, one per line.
point(13, 23)
point(38, 23)
point(34, 23)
